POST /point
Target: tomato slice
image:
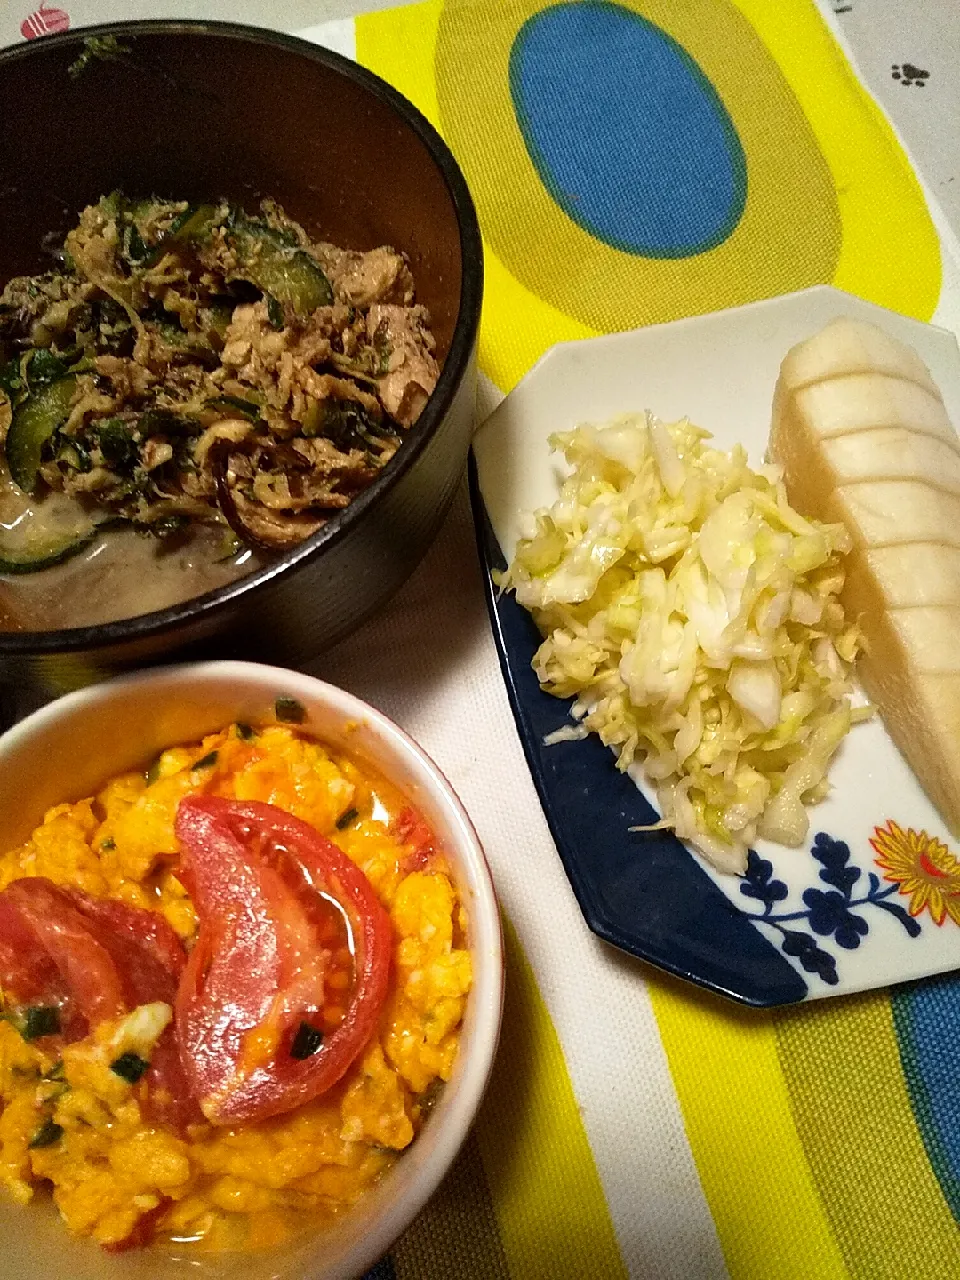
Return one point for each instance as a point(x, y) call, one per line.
point(144, 938)
point(284, 987)
point(84, 964)
point(410, 828)
point(150, 959)
point(94, 959)
point(27, 974)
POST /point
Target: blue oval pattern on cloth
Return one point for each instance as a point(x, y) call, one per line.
point(658, 171)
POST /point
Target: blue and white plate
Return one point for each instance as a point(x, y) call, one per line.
point(874, 898)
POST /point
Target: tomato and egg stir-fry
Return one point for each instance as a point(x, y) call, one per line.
point(231, 988)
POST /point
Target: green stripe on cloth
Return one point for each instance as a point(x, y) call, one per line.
point(456, 1234)
point(850, 1104)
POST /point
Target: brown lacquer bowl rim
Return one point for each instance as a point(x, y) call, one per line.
point(208, 606)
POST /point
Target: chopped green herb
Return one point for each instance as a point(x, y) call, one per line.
point(97, 48)
point(207, 761)
point(129, 1067)
point(306, 1042)
point(244, 731)
point(153, 773)
point(158, 420)
point(42, 366)
point(116, 441)
point(430, 1096)
point(11, 381)
point(245, 407)
point(107, 845)
point(56, 1072)
point(290, 711)
point(37, 1020)
point(48, 1133)
point(346, 819)
point(275, 312)
point(135, 251)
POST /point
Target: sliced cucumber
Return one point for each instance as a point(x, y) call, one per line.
point(43, 553)
point(34, 422)
point(236, 404)
point(36, 533)
point(279, 269)
point(193, 224)
point(190, 227)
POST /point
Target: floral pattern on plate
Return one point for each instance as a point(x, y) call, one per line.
point(830, 913)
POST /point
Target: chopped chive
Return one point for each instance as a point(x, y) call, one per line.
point(275, 312)
point(430, 1096)
point(38, 1020)
point(55, 1072)
point(346, 819)
point(25, 1073)
point(246, 407)
point(48, 1133)
point(129, 1067)
point(108, 844)
point(207, 761)
point(244, 731)
point(306, 1042)
point(290, 711)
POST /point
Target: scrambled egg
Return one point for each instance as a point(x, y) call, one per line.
point(77, 1126)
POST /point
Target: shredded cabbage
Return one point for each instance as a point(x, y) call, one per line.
point(693, 615)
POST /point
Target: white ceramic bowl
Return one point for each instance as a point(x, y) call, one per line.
point(67, 750)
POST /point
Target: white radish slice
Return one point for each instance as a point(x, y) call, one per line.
point(852, 346)
point(887, 512)
point(864, 401)
point(893, 453)
point(863, 437)
point(912, 574)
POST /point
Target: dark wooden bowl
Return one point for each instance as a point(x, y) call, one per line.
point(199, 110)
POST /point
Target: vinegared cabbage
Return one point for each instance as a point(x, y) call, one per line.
point(693, 615)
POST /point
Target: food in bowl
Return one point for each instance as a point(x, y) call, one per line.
point(215, 382)
point(362, 168)
point(270, 994)
point(694, 616)
point(863, 436)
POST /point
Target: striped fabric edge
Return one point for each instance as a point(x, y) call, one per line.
point(740, 1125)
point(842, 1066)
point(549, 1204)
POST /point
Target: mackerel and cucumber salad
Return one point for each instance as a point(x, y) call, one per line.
point(189, 390)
